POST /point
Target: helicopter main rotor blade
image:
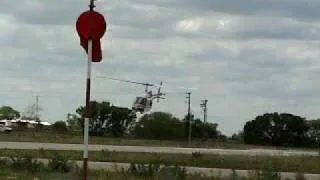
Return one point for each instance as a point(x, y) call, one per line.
point(128, 81)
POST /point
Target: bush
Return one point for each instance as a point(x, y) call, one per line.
point(196, 155)
point(60, 126)
point(27, 163)
point(300, 176)
point(60, 164)
point(175, 172)
point(142, 170)
point(155, 171)
point(267, 174)
point(5, 163)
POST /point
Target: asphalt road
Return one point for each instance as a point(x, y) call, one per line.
point(152, 149)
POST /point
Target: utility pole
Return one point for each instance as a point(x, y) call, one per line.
point(189, 117)
point(204, 107)
point(37, 108)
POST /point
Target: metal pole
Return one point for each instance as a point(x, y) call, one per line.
point(87, 110)
point(189, 118)
point(37, 108)
point(87, 114)
point(205, 110)
point(204, 106)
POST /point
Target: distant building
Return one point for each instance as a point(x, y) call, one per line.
point(22, 123)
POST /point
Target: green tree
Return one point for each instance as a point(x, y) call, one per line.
point(314, 124)
point(199, 129)
point(237, 136)
point(60, 126)
point(159, 125)
point(106, 118)
point(210, 130)
point(100, 113)
point(276, 129)
point(7, 112)
point(186, 124)
point(314, 131)
point(73, 122)
point(120, 120)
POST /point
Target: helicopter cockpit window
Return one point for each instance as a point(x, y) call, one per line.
point(143, 101)
point(137, 100)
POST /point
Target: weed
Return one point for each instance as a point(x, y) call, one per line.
point(4, 163)
point(172, 172)
point(234, 175)
point(300, 176)
point(196, 155)
point(105, 152)
point(42, 151)
point(26, 164)
point(60, 164)
point(267, 174)
point(142, 170)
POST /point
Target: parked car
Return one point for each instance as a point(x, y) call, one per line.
point(4, 128)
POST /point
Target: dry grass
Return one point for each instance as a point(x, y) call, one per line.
point(303, 164)
point(76, 138)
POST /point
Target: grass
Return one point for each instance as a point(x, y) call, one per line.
point(76, 138)
point(73, 138)
point(60, 167)
point(17, 169)
point(303, 164)
point(9, 174)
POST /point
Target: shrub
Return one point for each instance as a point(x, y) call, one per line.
point(27, 163)
point(142, 170)
point(196, 154)
point(60, 163)
point(267, 174)
point(60, 126)
point(175, 172)
point(155, 171)
point(300, 176)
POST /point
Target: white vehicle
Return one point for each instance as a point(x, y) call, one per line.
point(4, 128)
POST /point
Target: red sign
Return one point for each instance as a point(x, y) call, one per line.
point(91, 25)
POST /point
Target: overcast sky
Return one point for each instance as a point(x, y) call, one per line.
point(246, 57)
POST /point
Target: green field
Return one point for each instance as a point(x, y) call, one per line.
point(303, 164)
point(72, 138)
point(9, 174)
point(60, 168)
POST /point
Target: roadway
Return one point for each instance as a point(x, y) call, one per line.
point(153, 149)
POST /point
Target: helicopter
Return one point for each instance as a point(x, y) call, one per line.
point(142, 104)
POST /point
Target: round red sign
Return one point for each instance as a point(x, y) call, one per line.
point(91, 24)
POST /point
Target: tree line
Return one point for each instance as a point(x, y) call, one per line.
point(282, 129)
point(30, 113)
point(275, 129)
point(110, 120)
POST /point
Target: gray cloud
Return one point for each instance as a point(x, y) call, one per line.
point(245, 58)
point(306, 10)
